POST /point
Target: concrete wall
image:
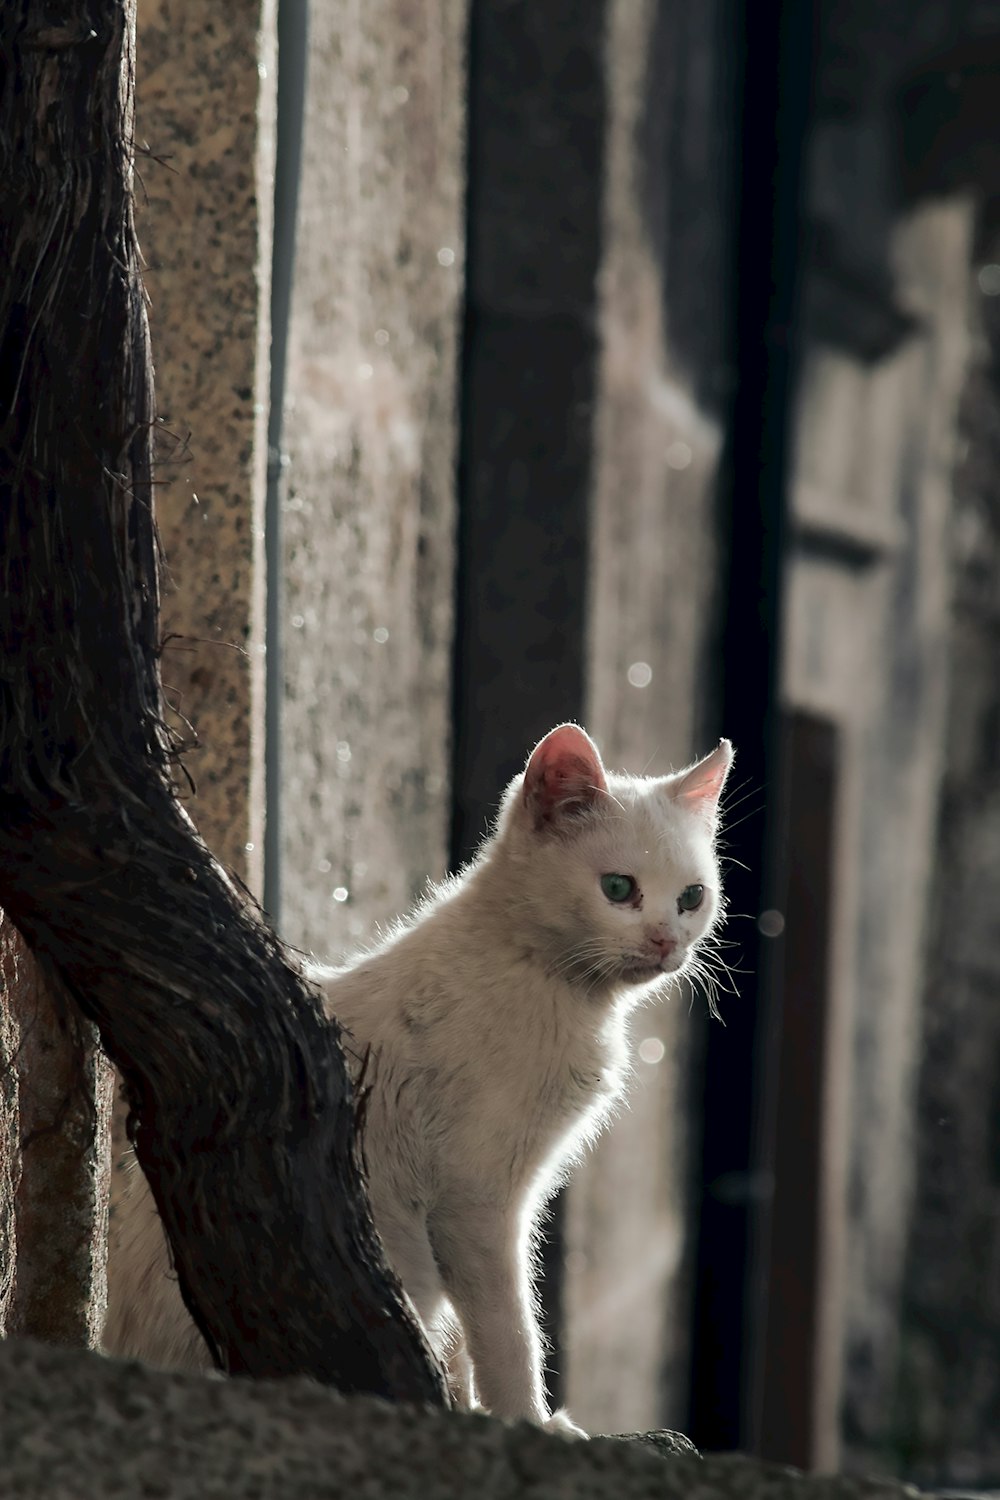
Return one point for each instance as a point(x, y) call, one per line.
point(369, 509)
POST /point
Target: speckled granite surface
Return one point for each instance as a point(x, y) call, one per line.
point(205, 127)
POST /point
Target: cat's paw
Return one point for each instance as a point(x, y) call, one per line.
point(562, 1423)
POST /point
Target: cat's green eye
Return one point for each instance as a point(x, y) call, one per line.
point(618, 888)
point(691, 898)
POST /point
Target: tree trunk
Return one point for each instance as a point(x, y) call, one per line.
point(243, 1117)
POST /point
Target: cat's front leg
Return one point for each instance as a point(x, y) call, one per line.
point(484, 1261)
point(485, 1271)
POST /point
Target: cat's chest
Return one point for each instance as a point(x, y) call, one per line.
point(590, 1072)
point(536, 1092)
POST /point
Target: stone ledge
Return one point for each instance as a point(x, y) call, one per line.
point(75, 1424)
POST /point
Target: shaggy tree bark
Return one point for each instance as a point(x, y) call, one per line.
point(243, 1115)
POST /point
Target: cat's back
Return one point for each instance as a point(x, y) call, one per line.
point(420, 969)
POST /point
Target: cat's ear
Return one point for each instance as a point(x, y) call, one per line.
point(700, 786)
point(564, 776)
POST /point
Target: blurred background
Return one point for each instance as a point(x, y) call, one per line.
point(634, 361)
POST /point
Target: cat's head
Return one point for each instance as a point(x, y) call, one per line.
point(617, 874)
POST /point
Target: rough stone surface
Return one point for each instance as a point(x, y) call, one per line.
point(57, 1165)
point(61, 1208)
point(73, 1425)
point(658, 441)
point(903, 142)
point(946, 1427)
point(864, 651)
point(204, 115)
point(10, 1141)
point(369, 430)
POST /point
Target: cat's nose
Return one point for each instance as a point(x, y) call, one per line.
point(663, 944)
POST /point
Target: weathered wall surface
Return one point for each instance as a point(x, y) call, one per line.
point(10, 1136)
point(369, 431)
point(899, 782)
point(945, 1416)
point(205, 111)
point(653, 565)
point(867, 589)
point(874, 529)
point(73, 1425)
point(55, 1109)
point(64, 1088)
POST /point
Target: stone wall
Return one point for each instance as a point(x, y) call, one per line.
point(944, 1424)
point(64, 1095)
point(55, 1112)
point(205, 91)
point(10, 1151)
point(369, 504)
point(891, 597)
point(866, 614)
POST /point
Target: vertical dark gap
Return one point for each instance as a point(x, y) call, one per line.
point(536, 122)
point(293, 35)
point(775, 45)
point(788, 1423)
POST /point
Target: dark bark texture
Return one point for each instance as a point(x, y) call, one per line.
point(243, 1117)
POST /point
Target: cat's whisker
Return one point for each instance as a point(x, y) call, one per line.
point(616, 800)
point(649, 762)
point(727, 982)
point(751, 813)
point(585, 957)
point(704, 979)
point(585, 948)
point(730, 800)
point(723, 973)
point(721, 967)
point(714, 939)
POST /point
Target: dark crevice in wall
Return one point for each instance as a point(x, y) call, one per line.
point(776, 48)
point(536, 142)
point(293, 47)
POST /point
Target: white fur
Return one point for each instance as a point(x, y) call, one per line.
point(493, 1022)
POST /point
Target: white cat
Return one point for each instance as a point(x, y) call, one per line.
point(493, 1022)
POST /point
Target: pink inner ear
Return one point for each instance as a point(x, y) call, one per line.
point(701, 786)
point(563, 774)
